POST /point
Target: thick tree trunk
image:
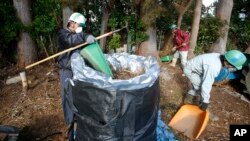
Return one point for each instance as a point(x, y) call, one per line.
point(104, 25)
point(223, 14)
point(149, 47)
point(66, 14)
point(27, 52)
point(195, 27)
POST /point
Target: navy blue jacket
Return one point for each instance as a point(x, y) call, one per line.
point(67, 39)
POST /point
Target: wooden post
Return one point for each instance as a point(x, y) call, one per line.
point(24, 79)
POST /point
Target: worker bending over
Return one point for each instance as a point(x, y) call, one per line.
point(202, 71)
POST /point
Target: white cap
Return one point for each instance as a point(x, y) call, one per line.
point(78, 18)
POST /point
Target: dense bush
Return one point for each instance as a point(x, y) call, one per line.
point(208, 34)
point(114, 41)
point(47, 19)
point(240, 34)
point(136, 30)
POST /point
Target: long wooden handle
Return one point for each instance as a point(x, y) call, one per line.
point(70, 49)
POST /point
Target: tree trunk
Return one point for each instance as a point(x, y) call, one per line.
point(195, 27)
point(104, 24)
point(149, 47)
point(105, 17)
point(223, 14)
point(66, 14)
point(27, 51)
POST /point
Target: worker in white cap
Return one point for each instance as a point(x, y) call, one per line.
point(68, 37)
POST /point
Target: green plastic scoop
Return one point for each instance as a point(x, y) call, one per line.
point(94, 55)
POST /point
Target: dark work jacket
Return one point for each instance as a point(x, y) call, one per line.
point(67, 39)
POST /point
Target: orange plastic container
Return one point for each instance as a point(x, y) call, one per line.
point(190, 120)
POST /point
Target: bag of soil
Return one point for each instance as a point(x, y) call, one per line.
point(109, 109)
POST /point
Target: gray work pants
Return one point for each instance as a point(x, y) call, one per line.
point(194, 78)
point(66, 95)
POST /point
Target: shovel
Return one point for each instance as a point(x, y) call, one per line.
point(190, 120)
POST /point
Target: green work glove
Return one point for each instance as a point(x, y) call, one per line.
point(203, 106)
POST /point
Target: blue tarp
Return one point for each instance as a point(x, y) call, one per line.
point(163, 131)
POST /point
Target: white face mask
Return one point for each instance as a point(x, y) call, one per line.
point(78, 29)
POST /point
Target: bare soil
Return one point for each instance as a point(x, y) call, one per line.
point(38, 111)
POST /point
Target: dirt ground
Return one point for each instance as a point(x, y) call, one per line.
point(38, 112)
point(225, 103)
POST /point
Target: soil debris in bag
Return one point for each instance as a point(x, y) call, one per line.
point(125, 74)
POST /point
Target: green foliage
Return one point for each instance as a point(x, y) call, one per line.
point(150, 10)
point(46, 21)
point(162, 23)
point(240, 34)
point(208, 34)
point(43, 25)
point(115, 41)
point(10, 25)
point(9, 32)
point(165, 19)
point(137, 32)
point(113, 23)
point(46, 17)
point(136, 27)
point(231, 45)
point(240, 6)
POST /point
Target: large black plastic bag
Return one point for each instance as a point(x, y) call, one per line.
point(108, 109)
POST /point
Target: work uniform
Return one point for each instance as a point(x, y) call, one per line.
point(182, 50)
point(202, 71)
point(67, 39)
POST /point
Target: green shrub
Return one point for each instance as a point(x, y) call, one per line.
point(45, 25)
point(9, 33)
point(115, 41)
point(239, 33)
point(208, 34)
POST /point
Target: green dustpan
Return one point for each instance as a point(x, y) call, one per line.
point(94, 55)
point(166, 58)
